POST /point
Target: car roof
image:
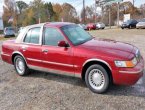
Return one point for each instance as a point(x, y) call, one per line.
point(51, 24)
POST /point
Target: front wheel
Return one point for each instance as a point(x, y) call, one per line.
point(20, 66)
point(97, 79)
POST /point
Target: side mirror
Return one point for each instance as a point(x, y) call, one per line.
point(62, 44)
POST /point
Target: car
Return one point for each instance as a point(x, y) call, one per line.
point(91, 26)
point(129, 24)
point(20, 29)
point(65, 48)
point(141, 24)
point(83, 26)
point(9, 31)
point(100, 25)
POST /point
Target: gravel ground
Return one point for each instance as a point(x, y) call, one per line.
point(46, 91)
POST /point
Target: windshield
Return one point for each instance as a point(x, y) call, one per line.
point(128, 21)
point(76, 34)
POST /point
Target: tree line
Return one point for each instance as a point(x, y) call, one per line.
point(24, 14)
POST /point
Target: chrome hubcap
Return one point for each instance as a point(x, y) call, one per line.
point(20, 66)
point(96, 79)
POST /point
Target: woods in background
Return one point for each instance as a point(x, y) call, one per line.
point(21, 14)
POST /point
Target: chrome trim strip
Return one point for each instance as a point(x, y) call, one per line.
point(31, 59)
point(59, 72)
point(30, 44)
point(55, 63)
point(132, 72)
point(76, 66)
point(41, 34)
point(78, 75)
point(5, 54)
point(95, 59)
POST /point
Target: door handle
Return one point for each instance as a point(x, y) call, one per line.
point(45, 50)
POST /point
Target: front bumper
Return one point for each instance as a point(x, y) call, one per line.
point(9, 34)
point(124, 26)
point(129, 76)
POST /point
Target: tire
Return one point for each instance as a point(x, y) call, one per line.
point(92, 79)
point(20, 66)
point(5, 36)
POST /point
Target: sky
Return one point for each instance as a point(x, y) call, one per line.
point(76, 3)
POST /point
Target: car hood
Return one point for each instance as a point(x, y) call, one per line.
point(109, 48)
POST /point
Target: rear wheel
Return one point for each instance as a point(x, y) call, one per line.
point(5, 37)
point(20, 65)
point(97, 79)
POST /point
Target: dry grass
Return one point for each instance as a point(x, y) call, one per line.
point(118, 33)
point(8, 38)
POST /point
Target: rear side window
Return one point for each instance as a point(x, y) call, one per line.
point(52, 36)
point(33, 36)
point(27, 37)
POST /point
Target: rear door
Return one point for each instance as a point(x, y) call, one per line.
point(31, 47)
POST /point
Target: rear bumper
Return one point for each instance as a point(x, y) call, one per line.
point(125, 26)
point(129, 76)
point(6, 57)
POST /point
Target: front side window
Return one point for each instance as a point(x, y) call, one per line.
point(32, 36)
point(52, 36)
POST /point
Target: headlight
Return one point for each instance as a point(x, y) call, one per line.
point(127, 64)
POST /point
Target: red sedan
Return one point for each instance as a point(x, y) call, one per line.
point(65, 48)
point(91, 26)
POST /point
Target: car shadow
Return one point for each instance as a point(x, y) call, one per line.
point(137, 90)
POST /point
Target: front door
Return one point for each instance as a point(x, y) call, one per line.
point(55, 57)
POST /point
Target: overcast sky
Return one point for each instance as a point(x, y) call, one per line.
point(76, 3)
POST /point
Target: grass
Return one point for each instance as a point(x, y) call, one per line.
point(8, 38)
point(115, 33)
